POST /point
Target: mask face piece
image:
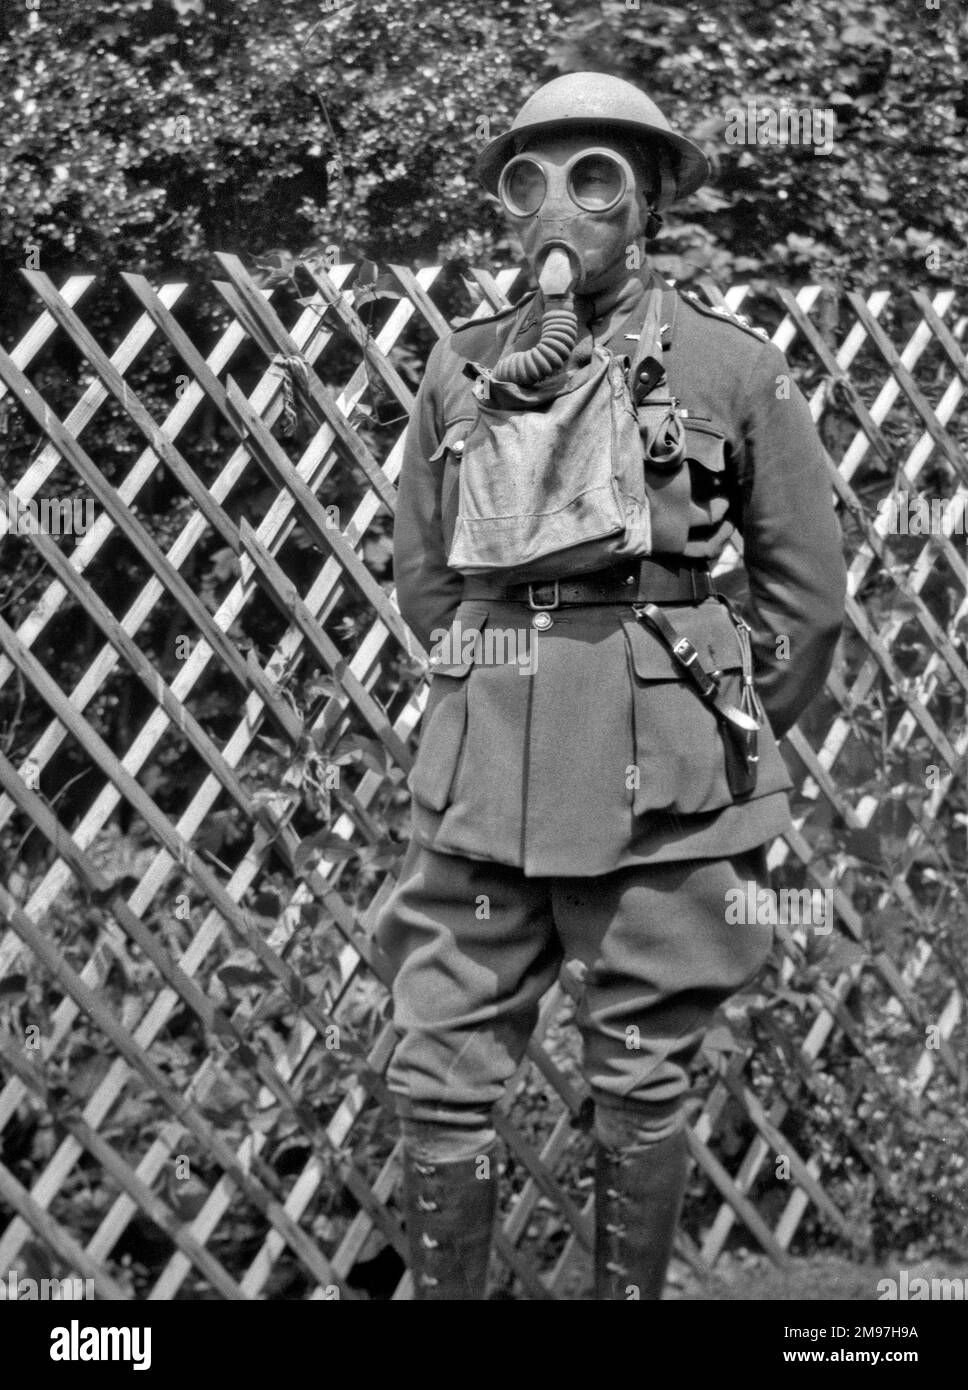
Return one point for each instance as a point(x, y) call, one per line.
point(581, 198)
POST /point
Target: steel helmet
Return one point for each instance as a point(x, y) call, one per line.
point(595, 98)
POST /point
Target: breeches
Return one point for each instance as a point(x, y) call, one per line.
point(474, 945)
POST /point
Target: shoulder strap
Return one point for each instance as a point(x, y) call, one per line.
point(663, 434)
point(720, 311)
point(657, 327)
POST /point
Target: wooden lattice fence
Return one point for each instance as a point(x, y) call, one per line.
point(193, 1026)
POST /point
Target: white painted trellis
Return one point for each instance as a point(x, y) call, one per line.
point(273, 1080)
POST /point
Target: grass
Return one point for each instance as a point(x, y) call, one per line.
point(752, 1278)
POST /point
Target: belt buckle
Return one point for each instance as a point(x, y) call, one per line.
point(538, 607)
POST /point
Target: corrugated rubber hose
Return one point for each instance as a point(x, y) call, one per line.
point(559, 333)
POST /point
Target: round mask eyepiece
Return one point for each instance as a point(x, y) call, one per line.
point(597, 181)
point(522, 186)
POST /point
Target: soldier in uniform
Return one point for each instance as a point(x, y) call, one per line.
point(599, 802)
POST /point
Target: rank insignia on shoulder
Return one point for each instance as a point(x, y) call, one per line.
point(721, 311)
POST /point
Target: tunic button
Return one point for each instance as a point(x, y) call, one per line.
point(542, 621)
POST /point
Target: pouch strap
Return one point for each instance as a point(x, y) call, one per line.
point(706, 682)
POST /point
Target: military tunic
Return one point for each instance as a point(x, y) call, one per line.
point(603, 756)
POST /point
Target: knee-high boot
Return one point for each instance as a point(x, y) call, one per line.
point(449, 1209)
point(638, 1197)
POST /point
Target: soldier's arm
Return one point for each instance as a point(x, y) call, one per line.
point(792, 542)
point(427, 591)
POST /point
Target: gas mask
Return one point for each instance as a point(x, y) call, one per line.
point(576, 211)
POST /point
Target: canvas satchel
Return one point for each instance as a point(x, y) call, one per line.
point(551, 476)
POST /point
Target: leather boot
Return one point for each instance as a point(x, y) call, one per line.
point(449, 1212)
point(638, 1197)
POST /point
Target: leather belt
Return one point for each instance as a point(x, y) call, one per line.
point(655, 580)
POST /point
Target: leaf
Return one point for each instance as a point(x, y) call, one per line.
point(356, 748)
point(238, 976)
point(843, 955)
point(276, 744)
point(324, 844)
point(267, 903)
point(35, 1262)
point(189, 1196)
point(262, 1121)
point(864, 844)
point(858, 36)
point(277, 258)
point(124, 885)
point(383, 855)
point(324, 683)
point(226, 1100)
point(719, 1041)
point(311, 915)
point(378, 552)
point(798, 999)
point(225, 564)
point(386, 287)
point(708, 200)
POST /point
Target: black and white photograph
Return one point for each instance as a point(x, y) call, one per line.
point(483, 673)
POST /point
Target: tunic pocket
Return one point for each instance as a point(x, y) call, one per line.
point(453, 441)
point(706, 456)
point(705, 445)
point(680, 758)
point(447, 456)
point(675, 489)
point(444, 721)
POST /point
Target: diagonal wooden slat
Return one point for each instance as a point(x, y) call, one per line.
point(320, 396)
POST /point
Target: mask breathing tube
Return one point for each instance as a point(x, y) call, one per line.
point(559, 326)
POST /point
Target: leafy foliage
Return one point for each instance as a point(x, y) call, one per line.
point(146, 133)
